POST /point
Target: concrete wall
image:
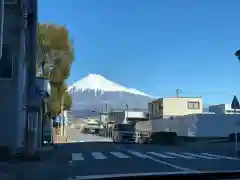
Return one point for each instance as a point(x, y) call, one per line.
point(223, 109)
point(11, 104)
point(135, 114)
point(199, 125)
point(218, 109)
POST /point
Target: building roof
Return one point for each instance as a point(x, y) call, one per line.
point(175, 97)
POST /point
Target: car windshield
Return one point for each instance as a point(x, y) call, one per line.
point(125, 127)
point(109, 88)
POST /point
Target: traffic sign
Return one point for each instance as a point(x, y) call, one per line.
point(235, 103)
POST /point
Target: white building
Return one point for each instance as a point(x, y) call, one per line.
point(223, 109)
point(175, 106)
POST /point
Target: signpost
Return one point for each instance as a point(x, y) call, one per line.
point(235, 105)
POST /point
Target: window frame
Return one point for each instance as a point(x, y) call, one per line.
point(192, 104)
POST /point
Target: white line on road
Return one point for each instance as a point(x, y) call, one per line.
point(98, 155)
point(126, 175)
point(161, 155)
point(180, 155)
point(200, 156)
point(77, 157)
point(138, 154)
point(119, 155)
point(219, 156)
point(157, 160)
point(100, 140)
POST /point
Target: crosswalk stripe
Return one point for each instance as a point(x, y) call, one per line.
point(77, 157)
point(180, 155)
point(200, 156)
point(138, 154)
point(166, 155)
point(98, 155)
point(160, 155)
point(219, 156)
point(119, 155)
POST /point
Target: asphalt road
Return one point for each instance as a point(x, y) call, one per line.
point(76, 136)
point(86, 160)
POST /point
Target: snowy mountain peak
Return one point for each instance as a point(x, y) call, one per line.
point(98, 83)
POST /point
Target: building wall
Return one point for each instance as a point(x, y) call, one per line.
point(218, 109)
point(223, 109)
point(181, 106)
point(166, 107)
point(12, 90)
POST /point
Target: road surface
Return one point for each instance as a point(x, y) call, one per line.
point(86, 160)
point(76, 136)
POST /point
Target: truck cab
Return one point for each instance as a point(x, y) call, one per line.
point(123, 133)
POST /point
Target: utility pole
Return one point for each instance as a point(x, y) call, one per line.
point(106, 112)
point(149, 110)
point(62, 115)
point(178, 91)
point(126, 109)
point(31, 34)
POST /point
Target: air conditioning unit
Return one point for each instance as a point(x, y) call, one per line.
point(11, 2)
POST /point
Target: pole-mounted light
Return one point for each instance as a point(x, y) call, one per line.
point(237, 53)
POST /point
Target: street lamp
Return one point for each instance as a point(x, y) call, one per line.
point(237, 53)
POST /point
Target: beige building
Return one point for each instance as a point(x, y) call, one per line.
point(175, 106)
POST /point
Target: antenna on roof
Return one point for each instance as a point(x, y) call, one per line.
point(178, 91)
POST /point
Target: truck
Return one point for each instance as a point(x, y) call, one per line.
point(123, 133)
point(92, 126)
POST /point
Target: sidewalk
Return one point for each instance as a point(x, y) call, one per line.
point(45, 168)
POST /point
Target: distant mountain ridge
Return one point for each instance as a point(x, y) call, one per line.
point(93, 93)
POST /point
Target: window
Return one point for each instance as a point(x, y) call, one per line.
point(193, 105)
point(6, 63)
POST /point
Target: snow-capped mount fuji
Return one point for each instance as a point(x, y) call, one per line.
point(94, 92)
point(99, 84)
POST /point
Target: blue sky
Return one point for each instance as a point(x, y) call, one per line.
point(155, 46)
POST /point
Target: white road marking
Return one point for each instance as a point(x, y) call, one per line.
point(180, 155)
point(138, 154)
point(219, 156)
point(100, 140)
point(200, 156)
point(98, 155)
point(126, 175)
point(161, 155)
point(119, 155)
point(77, 157)
point(157, 160)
